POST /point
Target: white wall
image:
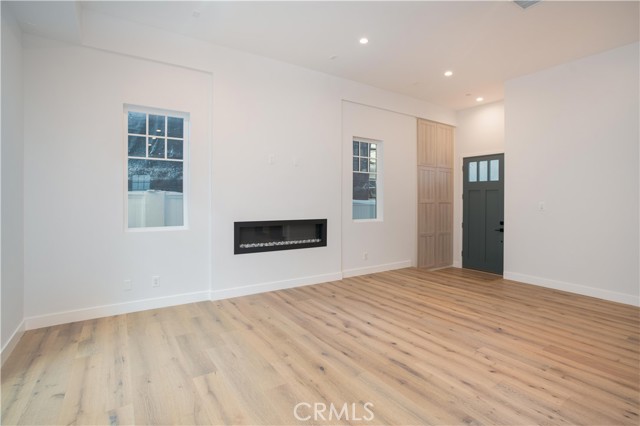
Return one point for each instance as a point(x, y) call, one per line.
point(77, 252)
point(235, 67)
point(571, 142)
point(12, 277)
point(265, 109)
point(251, 109)
point(391, 240)
point(479, 131)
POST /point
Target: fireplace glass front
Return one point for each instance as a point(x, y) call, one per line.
point(253, 237)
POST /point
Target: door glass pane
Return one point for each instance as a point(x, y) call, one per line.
point(364, 165)
point(355, 164)
point(473, 171)
point(494, 174)
point(373, 167)
point(356, 149)
point(483, 171)
point(364, 149)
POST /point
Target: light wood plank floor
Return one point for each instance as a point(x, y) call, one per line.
point(449, 347)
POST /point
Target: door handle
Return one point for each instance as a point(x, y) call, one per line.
point(499, 229)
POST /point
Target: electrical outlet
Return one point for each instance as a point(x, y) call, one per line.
point(155, 281)
point(127, 285)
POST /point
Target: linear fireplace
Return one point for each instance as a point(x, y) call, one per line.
point(272, 235)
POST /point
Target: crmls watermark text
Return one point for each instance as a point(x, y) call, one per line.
point(304, 411)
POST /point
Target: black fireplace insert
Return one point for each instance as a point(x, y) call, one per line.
point(272, 235)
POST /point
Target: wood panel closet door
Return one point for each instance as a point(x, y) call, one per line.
point(435, 194)
point(427, 143)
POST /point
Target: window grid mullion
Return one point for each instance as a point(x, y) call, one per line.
point(146, 138)
point(166, 133)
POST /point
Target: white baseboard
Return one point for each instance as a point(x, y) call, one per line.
point(377, 268)
point(65, 317)
point(12, 342)
point(273, 286)
point(114, 309)
point(613, 296)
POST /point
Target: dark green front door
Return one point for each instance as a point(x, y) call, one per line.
point(483, 213)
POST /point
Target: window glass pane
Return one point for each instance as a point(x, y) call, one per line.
point(364, 196)
point(175, 127)
point(174, 149)
point(164, 204)
point(372, 191)
point(360, 186)
point(156, 147)
point(137, 123)
point(372, 185)
point(140, 182)
point(365, 167)
point(494, 170)
point(483, 171)
point(364, 149)
point(473, 171)
point(163, 175)
point(137, 146)
point(156, 125)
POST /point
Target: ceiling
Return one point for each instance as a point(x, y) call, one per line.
point(411, 44)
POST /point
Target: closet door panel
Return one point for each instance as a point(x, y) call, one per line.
point(427, 185)
point(427, 219)
point(435, 194)
point(427, 143)
point(444, 146)
point(426, 252)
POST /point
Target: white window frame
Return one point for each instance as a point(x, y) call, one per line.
point(185, 164)
point(379, 177)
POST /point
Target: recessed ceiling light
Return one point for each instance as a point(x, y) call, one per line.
point(448, 73)
point(479, 99)
point(364, 40)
